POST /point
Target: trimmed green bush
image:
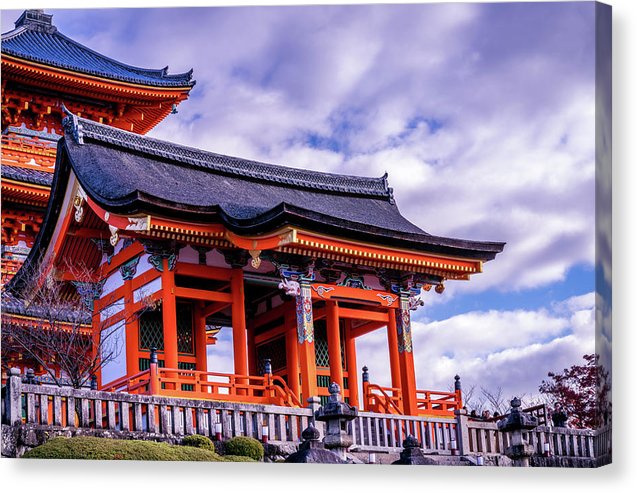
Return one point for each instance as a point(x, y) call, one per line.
point(237, 458)
point(245, 447)
point(199, 441)
point(110, 449)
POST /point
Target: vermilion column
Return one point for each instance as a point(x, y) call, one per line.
point(406, 357)
point(352, 370)
point(96, 336)
point(334, 343)
point(392, 343)
point(239, 335)
point(169, 316)
point(201, 343)
point(305, 339)
point(292, 356)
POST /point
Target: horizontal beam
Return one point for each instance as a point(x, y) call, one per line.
point(202, 294)
point(366, 328)
point(362, 315)
point(203, 271)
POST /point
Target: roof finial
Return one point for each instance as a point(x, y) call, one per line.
point(72, 125)
point(37, 20)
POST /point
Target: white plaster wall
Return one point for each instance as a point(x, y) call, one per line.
point(114, 339)
point(147, 289)
point(112, 309)
point(143, 265)
point(113, 282)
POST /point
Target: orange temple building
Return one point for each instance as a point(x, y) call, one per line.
point(41, 70)
point(181, 243)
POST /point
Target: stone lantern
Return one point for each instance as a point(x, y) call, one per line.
point(336, 414)
point(516, 423)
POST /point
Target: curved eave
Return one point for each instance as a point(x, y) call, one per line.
point(141, 204)
point(56, 73)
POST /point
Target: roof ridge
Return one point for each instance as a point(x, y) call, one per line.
point(80, 129)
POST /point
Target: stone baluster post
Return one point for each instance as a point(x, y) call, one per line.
point(13, 398)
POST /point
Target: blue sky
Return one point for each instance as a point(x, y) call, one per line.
point(483, 115)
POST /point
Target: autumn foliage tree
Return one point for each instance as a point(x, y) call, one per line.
point(582, 392)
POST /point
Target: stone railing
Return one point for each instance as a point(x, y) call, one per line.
point(484, 438)
point(386, 432)
point(82, 411)
point(64, 407)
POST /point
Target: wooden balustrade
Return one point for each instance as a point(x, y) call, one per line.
point(191, 384)
point(433, 402)
point(378, 399)
point(430, 402)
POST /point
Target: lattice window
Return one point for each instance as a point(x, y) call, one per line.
point(151, 330)
point(185, 336)
point(275, 350)
point(320, 346)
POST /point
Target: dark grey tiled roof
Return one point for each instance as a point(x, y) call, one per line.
point(232, 166)
point(27, 175)
point(28, 132)
point(128, 174)
point(36, 39)
point(12, 305)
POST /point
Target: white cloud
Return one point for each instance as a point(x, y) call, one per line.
point(510, 349)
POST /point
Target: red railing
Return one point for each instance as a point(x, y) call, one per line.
point(192, 384)
point(378, 399)
point(136, 384)
point(389, 400)
point(432, 402)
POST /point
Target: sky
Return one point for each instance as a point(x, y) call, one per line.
point(482, 114)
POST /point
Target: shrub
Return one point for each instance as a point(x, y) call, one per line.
point(199, 441)
point(244, 446)
point(237, 458)
point(111, 449)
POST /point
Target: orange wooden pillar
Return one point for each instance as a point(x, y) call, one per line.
point(292, 355)
point(96, 329)
point(305, 340)
point(352, 370)
point(392, 344)
point(334, 343)
point(169, 318)
point(239, 333)
point(201, 343)
point(406, 357)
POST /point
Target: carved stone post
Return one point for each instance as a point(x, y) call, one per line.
point(13, 399)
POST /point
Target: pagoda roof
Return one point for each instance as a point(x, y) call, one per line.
point(27, 175)
point(126, 173)
point(36, 39)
